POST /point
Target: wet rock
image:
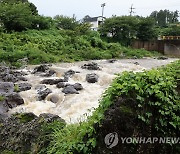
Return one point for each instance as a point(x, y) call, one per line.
point(7, 75)
point(24, 86)
point(3, 107)
point(91, 66)
point(40, 88)
point(4, 69)
point(61, 85)
point(162, 58)
point(112, 60)
point(41, 68)
point(78, 86)
point(70, 90)
point(136, 63)
point(49, 73)
point(92, 78)
point(23, 132)
point(6, 88)
point(13, 100)
point(43, 94)
point(51, 117)
point(48, 81)
point(18, 73)
point(60, 80)
point(54, 99)
point(21, 78)
point(134, 57)
point(52, 81)
point(23, 61)
point(69, 73)
point(9, 78)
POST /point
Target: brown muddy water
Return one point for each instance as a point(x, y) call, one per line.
point(75, 107)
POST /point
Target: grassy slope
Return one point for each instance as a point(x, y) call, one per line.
point(50, 46)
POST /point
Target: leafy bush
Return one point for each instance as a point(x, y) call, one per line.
point(47, 46)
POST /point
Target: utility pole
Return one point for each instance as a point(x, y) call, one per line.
point(103, 5)
point(131, 10)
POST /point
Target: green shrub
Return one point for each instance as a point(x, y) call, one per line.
point(53, 45)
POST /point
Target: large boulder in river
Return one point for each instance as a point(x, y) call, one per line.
point(6, 88)
point(70, 90)
point(3, 107)
point(10, 78)
point(40, 87)
point(8, 98)
point(49, 73)
point(41, 68)
point(13, 100)
point(43, 93)
point(8, 75)
point(70, 73)
point(52, 81)
point(92, 78)
point(91, 66)
point(78, 86)
point(23, 86)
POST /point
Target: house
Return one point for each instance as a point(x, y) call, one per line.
point(94, 21)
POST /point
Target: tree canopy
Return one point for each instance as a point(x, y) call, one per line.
point(165, 17)
point(19, 15)
point(121, 28)
point(146, 29)
point(125, 29)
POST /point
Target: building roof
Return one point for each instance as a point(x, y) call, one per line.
point(91, 19)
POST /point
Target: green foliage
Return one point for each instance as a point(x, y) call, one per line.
point(22, 15)
point(146, 29)
point(24, 117)
point(172, 30)
point(2, 98)
point(16, 16)
point(16, 88)
point(48, 46)
point(122, 29)
point(45, 137)
point(71, 139)
point(64, 22)
point(7, 152)
point(155, 92)
point(165, 17)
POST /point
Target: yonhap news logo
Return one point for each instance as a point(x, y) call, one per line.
point(111, 140)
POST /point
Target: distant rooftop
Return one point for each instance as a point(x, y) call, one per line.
point(91, 19)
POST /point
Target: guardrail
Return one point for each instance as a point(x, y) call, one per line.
point(170, 37)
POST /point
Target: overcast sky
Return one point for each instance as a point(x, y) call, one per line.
point(93, 7)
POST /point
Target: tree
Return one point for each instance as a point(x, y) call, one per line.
point(146, 29)
point(64, 22)
point(172, 30)
point(41, 22)
point(31, 5)
point(122, 29)
point(17, 16)
point(165, 17)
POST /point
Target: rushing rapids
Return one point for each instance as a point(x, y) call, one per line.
point(75, 107)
